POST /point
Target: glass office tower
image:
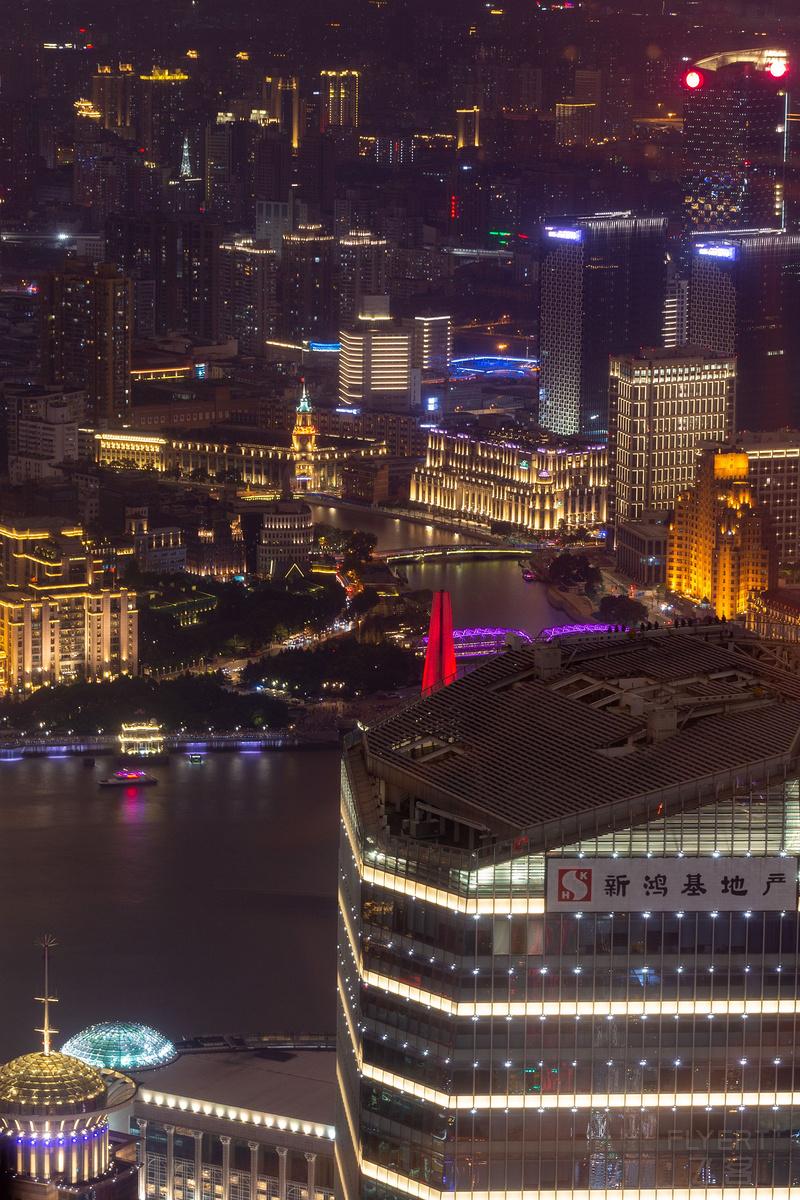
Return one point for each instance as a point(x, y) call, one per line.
point(602, 291)
point(569, 929)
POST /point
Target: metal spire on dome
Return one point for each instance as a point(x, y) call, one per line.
point(305, 404)
point(46, 942)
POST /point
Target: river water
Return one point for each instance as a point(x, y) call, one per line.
point(483, 592)
point(206, 904)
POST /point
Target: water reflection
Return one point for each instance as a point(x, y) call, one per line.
point(206, 903)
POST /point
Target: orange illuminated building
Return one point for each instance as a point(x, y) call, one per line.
point(720, 544)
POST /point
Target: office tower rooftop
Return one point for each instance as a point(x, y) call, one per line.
point(567, 907)
point(603, 282)
point(744, 300)
point(736, 112)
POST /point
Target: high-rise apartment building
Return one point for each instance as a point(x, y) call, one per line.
point(338, 99)
point(663, 405)
point(744, 299)
point(362, 272)
point(603, 280)
point(85, 323)
point(163, 122)
point(181, 256)
point(306, 283)
point(113, 98)
point(248, 296)
point(43, 425)
point(721, 546)
point(578, 980)
point(282, 103)
point(17, 152)
point(58, 623)
point(735, 120)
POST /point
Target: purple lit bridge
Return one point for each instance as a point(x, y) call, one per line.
point(477, 643)
point(558, 631)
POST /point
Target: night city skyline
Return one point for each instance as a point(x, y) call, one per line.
point(399, 600)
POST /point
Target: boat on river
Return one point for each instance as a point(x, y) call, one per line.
point(127, 777)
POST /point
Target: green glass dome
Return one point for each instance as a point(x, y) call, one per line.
point(121, 1046)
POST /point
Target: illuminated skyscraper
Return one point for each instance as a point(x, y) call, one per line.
point(338, 99)
point(375, 368)
point(721, 544)
point(112, 97)
point(282, 102)
point(307, 296)
point(735, 127)
point(663, 405)
point(362, 272)
point(570, 979)
point(248, 299)
point(744, 300)
point(162, 97)
point(86, 322)
point(603, 280)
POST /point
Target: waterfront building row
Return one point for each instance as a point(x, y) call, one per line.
point(494, 480)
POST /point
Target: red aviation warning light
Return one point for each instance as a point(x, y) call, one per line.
point(778, 68)
point(693, 79)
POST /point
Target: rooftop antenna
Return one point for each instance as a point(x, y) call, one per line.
point(46, 941)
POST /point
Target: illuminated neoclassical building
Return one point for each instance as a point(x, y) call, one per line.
point(569, 932)
point(314, 462)
point(721, 546)
point(495, 480)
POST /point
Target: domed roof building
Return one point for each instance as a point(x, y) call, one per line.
point(121, 1046)
point(54, 1136)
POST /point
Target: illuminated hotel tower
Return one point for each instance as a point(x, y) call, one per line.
point(568, 929)
point(54, 1117)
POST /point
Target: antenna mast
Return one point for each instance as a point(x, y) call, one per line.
point(46, 942)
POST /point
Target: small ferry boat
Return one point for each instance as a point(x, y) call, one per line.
point(127, 777)
point(195, 758)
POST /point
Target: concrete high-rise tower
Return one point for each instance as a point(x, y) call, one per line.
point(86, 321)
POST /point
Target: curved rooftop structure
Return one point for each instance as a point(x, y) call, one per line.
point(762, 58)
point(121, 1046)
point(53, 1084)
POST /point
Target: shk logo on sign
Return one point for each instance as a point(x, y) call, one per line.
point(575, 885)
point(672, 884)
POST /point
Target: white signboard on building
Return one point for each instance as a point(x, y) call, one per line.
point(671, 884)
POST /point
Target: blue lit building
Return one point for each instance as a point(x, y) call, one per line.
point(568, 931)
